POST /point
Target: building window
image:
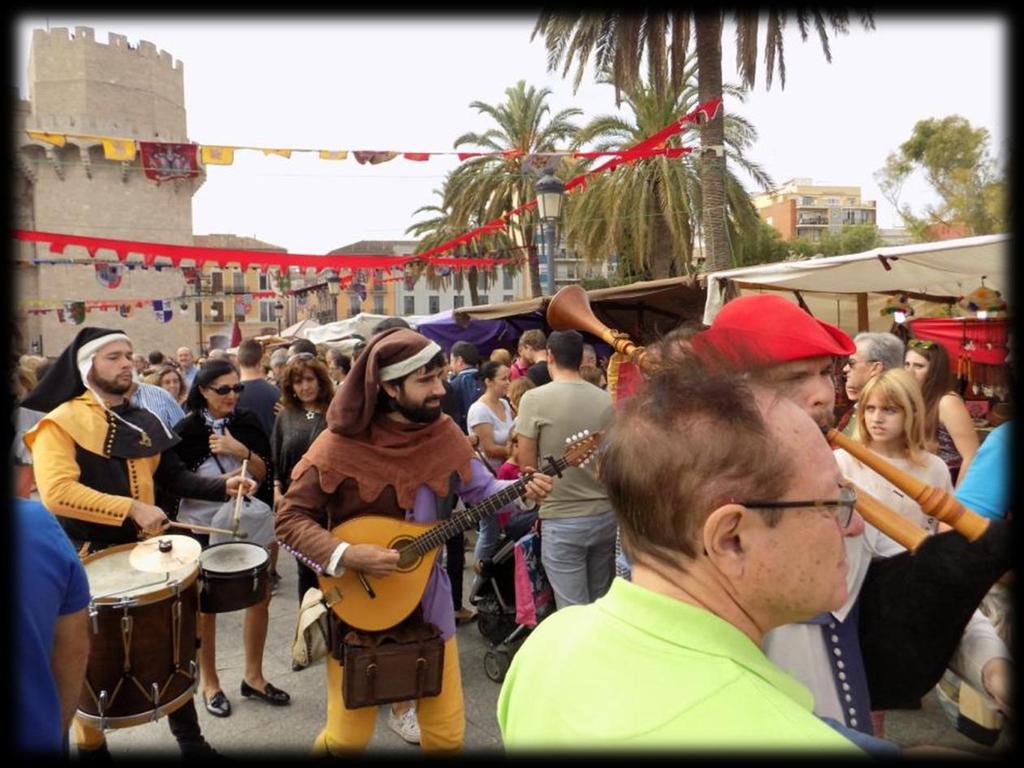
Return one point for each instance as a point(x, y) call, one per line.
point(239, 308)
point(806, 201)
point(217, 311)
point(267, 312)
point(832, 201)
point(265, 281)
point(217, 282)
point(434, 303)
point(238, 281)
point(484, 299)
point(506, 279)
point(458, 280)
point(507, 298)
point(410, 305)
point(378, 304)
point(459, 301)
point(355, 305)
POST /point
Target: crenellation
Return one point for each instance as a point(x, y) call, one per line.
point(167, 59)
point(85, 33)
point(116, 40)
point(147, 49)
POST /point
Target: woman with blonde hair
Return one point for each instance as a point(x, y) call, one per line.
point(502, 357)
point(891, 423)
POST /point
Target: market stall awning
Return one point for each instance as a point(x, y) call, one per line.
point(298, 329)
point(357, 325)
point(645, 310)
point(941, 271)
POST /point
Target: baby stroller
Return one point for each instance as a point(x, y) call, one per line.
point(505, 614)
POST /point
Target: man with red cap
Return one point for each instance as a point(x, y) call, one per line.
point(891, 641)
point(387, 450)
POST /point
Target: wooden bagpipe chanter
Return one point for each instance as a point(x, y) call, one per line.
point(913, 607)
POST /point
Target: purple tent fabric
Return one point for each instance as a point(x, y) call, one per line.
point(487, 335)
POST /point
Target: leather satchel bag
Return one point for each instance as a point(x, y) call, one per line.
point(398, 664)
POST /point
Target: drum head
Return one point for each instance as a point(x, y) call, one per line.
point(110, 572)
point(233, 557)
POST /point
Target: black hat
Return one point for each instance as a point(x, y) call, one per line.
point(65, 379)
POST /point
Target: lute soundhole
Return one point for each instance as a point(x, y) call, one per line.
point(408, 559)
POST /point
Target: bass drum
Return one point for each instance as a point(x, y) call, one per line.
point(144, 636)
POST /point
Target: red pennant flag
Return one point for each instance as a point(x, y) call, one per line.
point(419, 157)
point(467, 155)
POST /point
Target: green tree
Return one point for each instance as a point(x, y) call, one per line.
point(851, 238)
point(955, 160)
point(648, 212)
point(483, 188)
point(763, 245)
point(618, 43)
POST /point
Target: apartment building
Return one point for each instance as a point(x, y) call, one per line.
point(801, 209)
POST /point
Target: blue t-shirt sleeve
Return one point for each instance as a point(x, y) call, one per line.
point(76, 595)
point(986, 487)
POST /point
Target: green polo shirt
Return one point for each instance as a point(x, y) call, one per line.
point(638, 669)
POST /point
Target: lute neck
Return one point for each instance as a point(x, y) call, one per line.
point(463, 521)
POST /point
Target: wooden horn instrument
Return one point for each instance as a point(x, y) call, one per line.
point(933, 501)
point(895, 526)
point(569, 310)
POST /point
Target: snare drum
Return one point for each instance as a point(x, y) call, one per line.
point(144, 630)
point(234, 575)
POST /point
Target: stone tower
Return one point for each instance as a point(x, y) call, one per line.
point(117, 90)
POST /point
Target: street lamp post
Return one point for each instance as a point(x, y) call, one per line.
point(550, 193)
point(333, 290)
point(279, 310)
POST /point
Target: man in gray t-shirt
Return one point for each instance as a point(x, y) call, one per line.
point(578, 528)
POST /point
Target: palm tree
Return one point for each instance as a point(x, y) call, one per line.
point(443, 226)
point(649, 212)
point(484, 188)
point(618, 43)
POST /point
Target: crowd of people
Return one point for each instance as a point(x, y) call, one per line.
point(713, 585)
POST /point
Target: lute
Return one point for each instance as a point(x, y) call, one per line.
point(370, 603)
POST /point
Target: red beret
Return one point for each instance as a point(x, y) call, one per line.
point(762, 329)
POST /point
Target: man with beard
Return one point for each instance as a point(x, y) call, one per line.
point(98, 460)
point(907, 616)
point(387, 450)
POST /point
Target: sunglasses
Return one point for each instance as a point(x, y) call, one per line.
point(225, 388)
point(921, 344)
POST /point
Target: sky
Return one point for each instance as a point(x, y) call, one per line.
point(406, 83)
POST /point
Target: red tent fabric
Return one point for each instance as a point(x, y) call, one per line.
point(987, 337)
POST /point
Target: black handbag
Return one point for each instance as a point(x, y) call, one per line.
point(399, 664)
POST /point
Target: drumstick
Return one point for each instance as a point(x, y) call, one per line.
point(238, 500)
point(208, 529)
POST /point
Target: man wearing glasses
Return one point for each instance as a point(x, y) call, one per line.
point(875, 354)
point(734, 530)
point(907, 616)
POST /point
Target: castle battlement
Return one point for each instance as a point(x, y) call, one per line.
point(87, 36)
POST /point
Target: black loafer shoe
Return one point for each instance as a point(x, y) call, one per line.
point(270, 694)
point(218, 705)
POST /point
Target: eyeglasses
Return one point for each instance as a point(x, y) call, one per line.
point(844, 504)
point(921, 344)
point(224, 389)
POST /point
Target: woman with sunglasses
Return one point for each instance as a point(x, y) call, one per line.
point(949, 428)
point(216, 437)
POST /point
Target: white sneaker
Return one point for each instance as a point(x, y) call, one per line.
point(405, 725)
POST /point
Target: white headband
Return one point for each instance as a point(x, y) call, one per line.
point(87, 351)
point(410, 364)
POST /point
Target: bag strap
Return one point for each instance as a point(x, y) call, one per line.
point(445, 504)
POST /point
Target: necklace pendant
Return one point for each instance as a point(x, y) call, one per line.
point(310, 415)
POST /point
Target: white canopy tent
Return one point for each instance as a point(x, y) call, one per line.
point(361, 324)
point(939, 272)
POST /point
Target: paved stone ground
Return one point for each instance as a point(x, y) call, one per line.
point(258, 728)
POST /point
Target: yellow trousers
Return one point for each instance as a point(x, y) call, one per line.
point(442, 718)
point(85, 736)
